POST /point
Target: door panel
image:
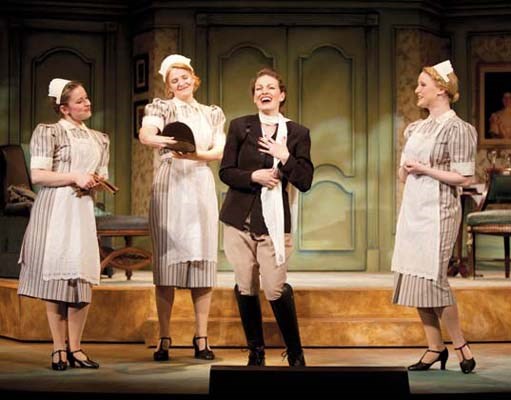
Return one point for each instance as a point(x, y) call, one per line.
point(327, 70)
point(334, 86)
point(235, 55)
point(48, 55)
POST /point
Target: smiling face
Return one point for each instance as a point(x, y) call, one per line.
point(268, 95)
point(427, 91)
point(181, 83)
point(77, 106)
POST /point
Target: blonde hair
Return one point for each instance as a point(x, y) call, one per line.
point(169, 93)
point(451, 87)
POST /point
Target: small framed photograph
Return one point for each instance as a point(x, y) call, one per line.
point(494, 104)
point(138, 114)
point(141, 73)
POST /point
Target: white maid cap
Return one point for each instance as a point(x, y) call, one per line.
point(167, 63)
point(56, 87)
point(443, 69)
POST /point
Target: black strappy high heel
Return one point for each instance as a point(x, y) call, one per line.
point(422, 366)
point(205, 353)
point(77, 363)
point(162, 354)
point(60, 365)
point(468, 364)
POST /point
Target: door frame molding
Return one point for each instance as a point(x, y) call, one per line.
point(287, 19)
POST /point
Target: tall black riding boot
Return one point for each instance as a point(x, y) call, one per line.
point(252, 320)
point(285, 314)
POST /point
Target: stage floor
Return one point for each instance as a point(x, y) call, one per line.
point(335, 309)
point(322, 280)
point(127, 371)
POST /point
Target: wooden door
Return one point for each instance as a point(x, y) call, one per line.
point(324, 69)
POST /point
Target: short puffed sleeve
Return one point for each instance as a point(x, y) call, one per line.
point(462, 147)
point(104, 140)
point(158, 113)
point(42, 147)
point(218, 122)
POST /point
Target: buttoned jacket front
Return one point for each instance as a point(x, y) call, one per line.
point(242, 157)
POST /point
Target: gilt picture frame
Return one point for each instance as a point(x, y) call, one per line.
point(493, 97)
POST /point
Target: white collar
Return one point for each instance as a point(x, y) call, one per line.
point(443, 117)
point(270, 119)
point(69, 125)
point(194, 103)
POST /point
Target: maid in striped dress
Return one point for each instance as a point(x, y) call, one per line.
point(438, 158)
point(183, 209)
point(60, 255)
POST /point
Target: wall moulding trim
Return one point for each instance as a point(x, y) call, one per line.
point(69, 9)
point(288, 19)
point(486, 32)
point(156, 26)
point(483, 9)
point(61, 25)
point(434, 31)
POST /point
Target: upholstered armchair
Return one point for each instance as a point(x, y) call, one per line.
point(493, 216)
point(16, 198)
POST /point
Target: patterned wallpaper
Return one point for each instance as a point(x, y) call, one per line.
point(158, 44)
point(414, 49)
point(487, 48)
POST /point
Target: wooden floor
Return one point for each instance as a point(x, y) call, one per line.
point(127, 371)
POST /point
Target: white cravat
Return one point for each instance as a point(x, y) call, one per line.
point(271, 199)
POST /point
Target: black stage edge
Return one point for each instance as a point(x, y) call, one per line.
point(309, 382)
point(61, 395)
point(319, 395)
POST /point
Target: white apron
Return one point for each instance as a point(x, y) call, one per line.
point(71, 250)
point(417, 248)
point(192, 219)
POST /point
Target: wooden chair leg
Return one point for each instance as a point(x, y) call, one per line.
point(506, 254)
point(471, 252)
point(128, 242)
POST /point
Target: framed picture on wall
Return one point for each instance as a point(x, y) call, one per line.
point(494, 104)
point(141, 73)
point(138, 114)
